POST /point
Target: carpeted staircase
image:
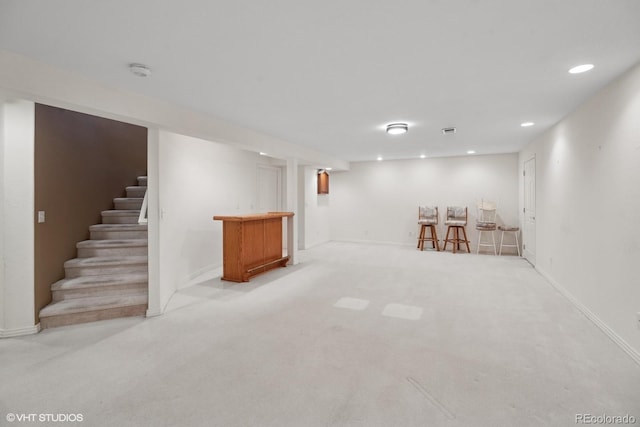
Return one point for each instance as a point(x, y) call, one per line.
point(109, 278)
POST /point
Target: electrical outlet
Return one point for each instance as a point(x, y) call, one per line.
point(41, 216)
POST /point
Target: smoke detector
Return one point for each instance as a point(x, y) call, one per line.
point(448, 131)
point(140, 70)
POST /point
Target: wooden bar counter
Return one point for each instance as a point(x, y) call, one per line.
point(252, 244)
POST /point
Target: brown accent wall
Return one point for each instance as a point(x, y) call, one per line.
point(81, 163)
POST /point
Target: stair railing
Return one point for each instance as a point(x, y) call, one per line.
point(142, 219)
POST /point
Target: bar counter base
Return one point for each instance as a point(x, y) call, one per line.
point(252, 244)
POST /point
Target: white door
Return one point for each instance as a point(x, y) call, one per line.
point(529, 228)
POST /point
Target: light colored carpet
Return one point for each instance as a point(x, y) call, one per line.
point(355, 335)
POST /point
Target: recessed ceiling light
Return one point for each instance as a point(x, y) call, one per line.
point(328, 169)
point(422, 156)
point(471, 152)
point(262, 153)
point(581, 68)
point(379, 158)
point(140, 70)
point(527, 124)
point(397, 128)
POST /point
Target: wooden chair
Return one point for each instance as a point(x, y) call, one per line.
point(456, 222)
point(428, 219)
point(486, 223)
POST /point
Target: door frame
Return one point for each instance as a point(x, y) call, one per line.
point(529, 226)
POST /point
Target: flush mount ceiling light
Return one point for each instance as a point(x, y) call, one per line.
point(397, 128)
point(423, 156)
point(140, 70)
point(262, 153)
point(379, 158)
point(527, 124)
point(581, 68)
point(471, 152)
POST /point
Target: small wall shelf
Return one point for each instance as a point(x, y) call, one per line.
point(323, 182)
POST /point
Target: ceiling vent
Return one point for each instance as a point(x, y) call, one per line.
point(448, 131)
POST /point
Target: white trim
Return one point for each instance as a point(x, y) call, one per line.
point(18, 332)
point(373, 242)
point(154, 313)
point(201, 275)
point(210, 271)
point(632, 352)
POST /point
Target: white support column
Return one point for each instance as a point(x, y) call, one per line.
point(17, 218)
point(292, 206)
point(153, 222)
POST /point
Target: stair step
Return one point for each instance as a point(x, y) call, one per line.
point(128, 202)
point(107, 285)
point(90, 309)
point(136, 191)
point(105, 265)
point(111, 247)
point(118, 231)
point(129, 216)
point(142, 180)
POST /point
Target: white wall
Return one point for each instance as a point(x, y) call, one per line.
point(17, 312)
point(588, 207)
point(197, 180)
point(157, 296)
point(316, 210)
point(378, 201)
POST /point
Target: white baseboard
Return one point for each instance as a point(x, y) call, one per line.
point(201, 275)
point(17, 332)
point(632, 352)
point(372, 242)
point(154, 312)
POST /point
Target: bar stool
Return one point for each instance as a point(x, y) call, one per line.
point(456, 221)
point(486, 222)
point(428, 219)
point(507, 229)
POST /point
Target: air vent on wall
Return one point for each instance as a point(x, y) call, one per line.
point(448, 131)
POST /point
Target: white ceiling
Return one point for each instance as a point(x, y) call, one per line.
point(330, 74)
